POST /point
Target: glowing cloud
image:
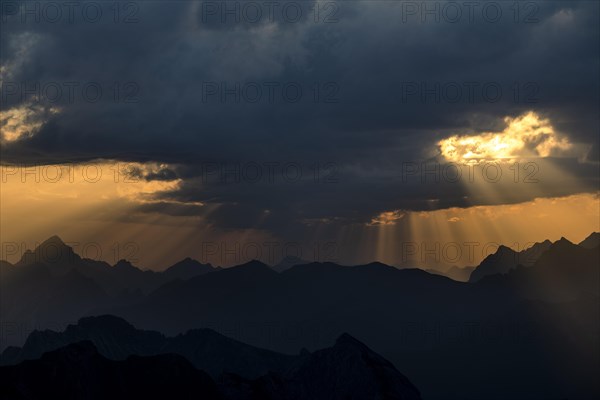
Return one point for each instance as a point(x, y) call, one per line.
point(525, 136)
point(22, 122)
point(387, 218)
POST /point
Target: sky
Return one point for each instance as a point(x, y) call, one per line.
point(346, 131)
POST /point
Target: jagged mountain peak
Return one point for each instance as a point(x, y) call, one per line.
point(51, 251)
point(504, 249)
point(562, 243)
point(592, 241)
point(54, 239)
point(189, 262)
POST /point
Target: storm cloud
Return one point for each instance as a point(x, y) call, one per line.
point(316, 111)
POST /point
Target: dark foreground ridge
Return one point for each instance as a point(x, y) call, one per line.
point(141, 364)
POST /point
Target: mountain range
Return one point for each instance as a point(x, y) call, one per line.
point(56, 257)
point(105, 357)
point(506, 259)
point(529, 330)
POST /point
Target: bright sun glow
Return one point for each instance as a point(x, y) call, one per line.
point(525, 136)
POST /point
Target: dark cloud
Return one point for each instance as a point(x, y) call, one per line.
point(379, 89)
point(172, 209)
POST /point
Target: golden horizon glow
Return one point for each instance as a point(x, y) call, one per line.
point(474, 232)
point(99, 203)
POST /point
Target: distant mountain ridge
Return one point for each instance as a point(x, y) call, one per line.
point(563, 272)
point(349, 369)
point(60, 258)
point(116, 339)
point(506, 259)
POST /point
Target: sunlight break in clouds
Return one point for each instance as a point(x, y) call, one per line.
point(387, 218)
point(23, 121)
point(525, 136)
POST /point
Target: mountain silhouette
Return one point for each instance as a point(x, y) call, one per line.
point(349, 369)
point(453, 339)
point(78, 371)
point(506, 259)
point(116, 339)
point(60, 258)
point(187, 268)
point(52, 252)
point(562, 273)
point(592, 241)
point(36, 295)
point(354, 364)
point(403, 311)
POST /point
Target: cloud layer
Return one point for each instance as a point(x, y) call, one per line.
point(331, 105)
